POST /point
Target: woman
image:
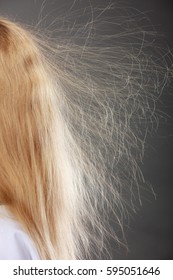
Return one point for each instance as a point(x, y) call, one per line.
point(70, 141)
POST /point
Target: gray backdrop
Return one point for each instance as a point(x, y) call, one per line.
point(150, 232)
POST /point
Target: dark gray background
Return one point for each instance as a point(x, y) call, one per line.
point(150, 232)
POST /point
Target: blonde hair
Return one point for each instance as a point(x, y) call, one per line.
point(70, 141)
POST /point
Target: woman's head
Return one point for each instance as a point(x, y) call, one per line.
point(32, 141)
point(17, 82)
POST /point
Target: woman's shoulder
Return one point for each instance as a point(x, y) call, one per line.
point(15, 244)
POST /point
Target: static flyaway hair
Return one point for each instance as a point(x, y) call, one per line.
point(73, 117)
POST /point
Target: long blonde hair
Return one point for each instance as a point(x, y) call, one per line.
point(70, 141)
